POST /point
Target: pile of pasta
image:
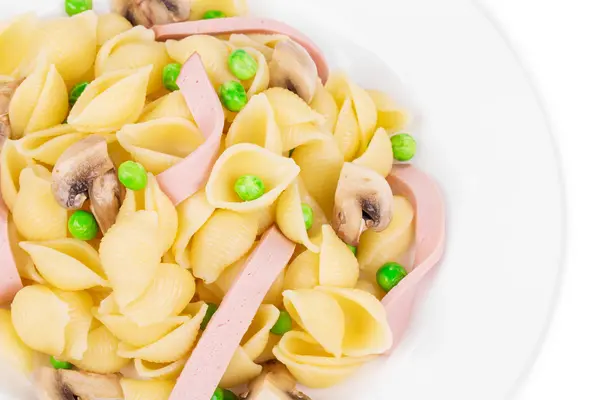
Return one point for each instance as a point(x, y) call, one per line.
point(133, 301)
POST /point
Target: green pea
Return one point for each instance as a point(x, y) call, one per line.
point(60, 364)
point(219, 394)
point(212, 309)
point(404, 146)
point(283, 324)
point(74, 7)
point(233, 96)
point(76, 92)
point(212, 14)
point(352, 248)
point(249, 187)
point(242, 65)
point(133, 175)
point(169, 76)
point(83, 225)
point(292, 152)
point(307, 212)
point(390, 275)
point(229, 395)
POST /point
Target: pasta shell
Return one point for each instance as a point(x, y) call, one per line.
point(379, 155)
point(256, 338)
point(303, 272)
point(172, 105)
point(256, 124)
point(18, 44)
point(324, 103)
point(266, 218)
point(146, 390)
point(13, 351)
point(40, 102)
point(370, 287)
point(134, 48)
point(192, 215)
point(378, 248)
point(276, 172)
point(337, 264)
point(80, 321)
point(150, 370)
point(40, 318)
point(261, 80)
point(214, 53)
point(231, 8)
point(301, 134)
point(130, 255)
point(161, 143)
point(326, 326)
point(111, 25)
point(241, 370)
point(264, 43)
point(290, 109)
point(47, 146)
point(389, 114)
point(158, 202)
point(12, 163)
point(366, 326)
point(347, 132)
point(70, 44)
point(68, 264)
point(170, 292)
point(206, 294)
point(111, 101)
point(171, 347)
point(22, 260)
point(290, 218)
point(101, 356)
point(221, 241)
point(36, 213)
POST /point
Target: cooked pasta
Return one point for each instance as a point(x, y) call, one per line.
point(171, 105)
point(12, 349)
point(379, 155)
point(23, 262)
point(337, 265)
point(12, 163)
point(111, 25)
point(80, 320)
point(146, 390)
point(18, 44)
point(290, 109)
point(241, 369)
point(347, 132)
point(290, 218)
point(324, 104)
point(390, 116)
point(231, 8)
point(46, 146)
point(150, 370)
point(101, 355)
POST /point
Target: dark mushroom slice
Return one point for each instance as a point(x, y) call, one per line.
point(294, 69)
point(105, 199)
point(153, 12)
point(7, 90)
point(363, 200)
point(77, 168)
point(275, 382)
point(62, 384)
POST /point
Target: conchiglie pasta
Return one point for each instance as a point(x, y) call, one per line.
point(171, 347)
point(263, 43)
point(256, 124)
point(158, 202)
point(146, 390)
point(290, 109)
point(303, 272)
point(276, 172)
point(370, 287)
point(266, 218)
point(192, 214)
point(111, 101)
point(337, 264)
point(150, 370)
point(46, 146)
point(221, 241)
point(101, 355)
point(70, 44)
point(40, 318)
point(379, 155)
point(68, 264)
point(324, 103)
point(378, 248)
point(170, 292)
point(134, 48)
point(231, 8)
point(260, 82)
point(160, 144)
point(172, 105)
point(346, 132)
point(389, 114)
point(111, 25)
point(13, 351)
point(80, 321)
point(23, 262)
point(12, 163)
point(130, 255)
point(18, 44)
point(40, 102)
point(256, 338)
point(36, 213)
point(241, 370)
point(290, 218)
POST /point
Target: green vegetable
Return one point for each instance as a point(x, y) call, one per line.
point(74, 7)
point(212, 309)
point(307, 212)
point(133, 175)
point(291, 152)
point(219, 394)
point(283, 324)
point(390, 275)
point(83, 225)
point(352, 248)
point(229, 395)
point(249, 187)
point(169, 76)
point(242, 65)
point(233, 96)
point(404, 147)
point(77, 91)
point(60, 364)
point(212, 14)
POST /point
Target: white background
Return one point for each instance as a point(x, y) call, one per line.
point(558, 41)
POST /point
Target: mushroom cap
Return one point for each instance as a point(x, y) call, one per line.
point(7, 89)
point(105, 198)
point(63, 384)
point(293, 68)
point(363, 200)
point(275, 382)
point(153, 12)
point(77, 168)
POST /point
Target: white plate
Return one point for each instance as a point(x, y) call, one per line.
point(483, 136)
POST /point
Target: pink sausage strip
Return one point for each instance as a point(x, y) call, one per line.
point(224, 26)
point(190, 175)
point(430, 214)
point(10, 281)
point(223, 335)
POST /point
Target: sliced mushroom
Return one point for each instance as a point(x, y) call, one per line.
point(77, 168)
point(363, 200)
point(7, 89)
point(105, 198)
point(294, 69)
point(274, 383)
point(153, 12)
point(62, 384)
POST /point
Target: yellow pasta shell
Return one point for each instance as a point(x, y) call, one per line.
point(231, 8)
point(261, 80)
point(390, 116)
point(172, 105)
point(146, 390)
point(301, 134)
point(266, 218)
point(370, 287)
point(379, 155)
point(290, 109)
point(47, 146)
point(303, 272)
point(337, 264)
point(80, 321)
point(168, 222)
point(101, 356)
point(110, 25)
point(347, 132)
point(18, 44)
point(150, 370)
point(12, 163)
point(13, 351)
point(290, 218)
point(255, 340)
point(241, 370)
point(324, 103)
point(24, 263)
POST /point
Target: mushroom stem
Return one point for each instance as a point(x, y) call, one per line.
point(276, 383)
point(153, 12)
point(52, 384)
point(7, 90)
point(105, 198)
point(293, 68)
